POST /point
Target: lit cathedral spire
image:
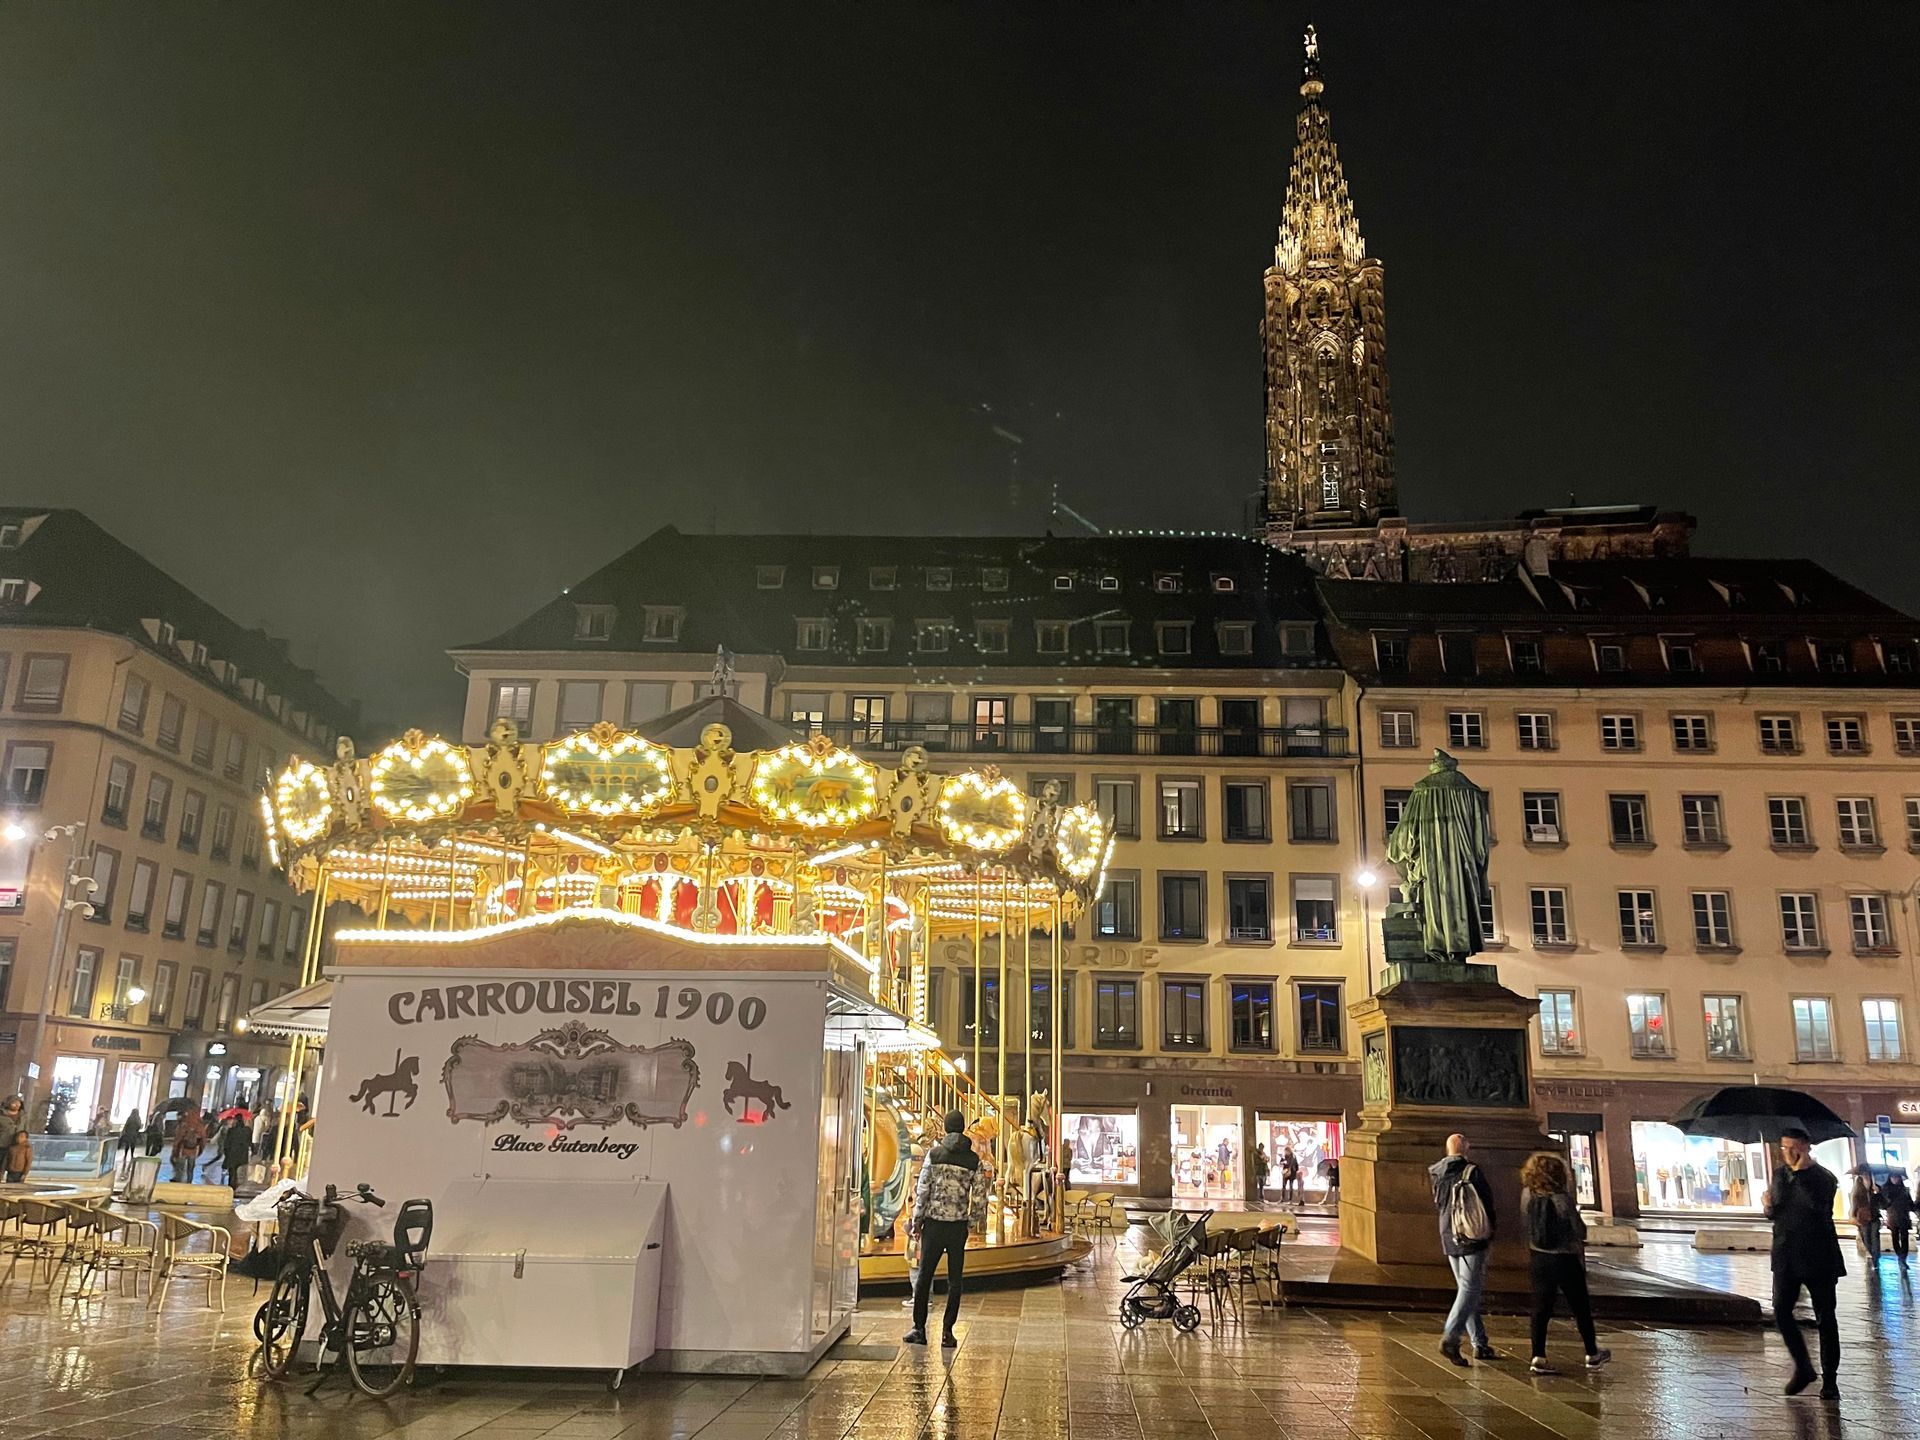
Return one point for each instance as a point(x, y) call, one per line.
point(1329, 428)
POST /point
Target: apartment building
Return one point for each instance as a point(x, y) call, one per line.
point(136, 713)
point(1183, 682)
point(1706, 808)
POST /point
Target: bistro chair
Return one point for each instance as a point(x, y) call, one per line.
point(1100, 1208)
point(36, 1236)
point(177, 1254)
point(1073, 1211)
point(122, 1246)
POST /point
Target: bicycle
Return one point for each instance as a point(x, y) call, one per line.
point(376, 1327)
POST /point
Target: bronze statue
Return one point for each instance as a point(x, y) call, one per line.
point(1440, 849)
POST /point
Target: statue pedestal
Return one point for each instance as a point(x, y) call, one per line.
point(1443, 1049)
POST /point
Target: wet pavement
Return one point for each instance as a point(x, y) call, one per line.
point(1034, 1364)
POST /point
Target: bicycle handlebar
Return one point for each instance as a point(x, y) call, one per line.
point(363, 1193)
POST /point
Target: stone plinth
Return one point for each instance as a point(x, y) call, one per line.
point(1443, 1049)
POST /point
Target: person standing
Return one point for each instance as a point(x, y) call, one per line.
point(1333, 1181)
point(1289, 1177)
point(1897, 1200)
point(236, 1145)
point(189, 1138)
point(1556, 1257)
point(16, 1150)
point(131, 1135)
point(1464, 1201)
point(949, 1201)
point(156, 1132)
point(1262, 1168)
point(1806, 1253)
point(1864, 1204)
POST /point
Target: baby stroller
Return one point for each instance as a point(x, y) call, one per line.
point(1152, 1296)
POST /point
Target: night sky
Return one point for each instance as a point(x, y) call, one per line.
point(379, 324)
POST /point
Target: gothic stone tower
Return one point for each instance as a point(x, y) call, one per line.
point(1329, 428)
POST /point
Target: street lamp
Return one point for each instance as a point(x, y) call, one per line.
point(1366, 878)
point(71, 896)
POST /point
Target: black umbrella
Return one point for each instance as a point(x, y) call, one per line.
point(1753, 1114)
point(176, 1104)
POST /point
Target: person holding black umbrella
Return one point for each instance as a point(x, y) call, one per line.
point(1898, 1203)
point(1806, 1254)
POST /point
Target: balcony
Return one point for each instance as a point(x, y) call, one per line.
point(1264, 742)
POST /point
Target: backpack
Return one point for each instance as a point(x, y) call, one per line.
point(1467, 1218)
point(1547, 1228)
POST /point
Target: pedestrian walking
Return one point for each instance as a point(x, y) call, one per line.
point(949, 1201)
point(1806, 1254)
point(16, 1150)
point(1556, 1257)
point(189, 1139)
point(1897, 1200)
point(236, 1147)
point(131, 1135)
point(1864, 1206)
point(156, 1132)
point(1464, 1201)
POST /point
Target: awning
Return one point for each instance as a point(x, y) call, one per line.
point(298, 1012)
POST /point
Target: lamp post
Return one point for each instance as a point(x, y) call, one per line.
point(1366, 879)
point(66, 902)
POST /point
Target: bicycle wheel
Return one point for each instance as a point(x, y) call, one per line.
point(382, 1334)
point(281, 1322)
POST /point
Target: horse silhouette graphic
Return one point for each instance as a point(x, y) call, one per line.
point(743, 1087)
point(401, 1082)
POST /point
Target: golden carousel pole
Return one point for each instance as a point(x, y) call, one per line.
point(286, 1141)
point(1057, 1119)
point(1001, 1138)
point(979, 959)
point(1026, 1035)
point(386, 881)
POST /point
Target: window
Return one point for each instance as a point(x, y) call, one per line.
point(221, 844)
point(1627, 819)
point(153, 819)
point(1906, 734)
point(27, 767)
point(1859, 828)
point(769, 577)
point(43, 683)
point(807, 710)
point(1692, 732)
point(580, 702)
point(174, 927)
point(250, 846)
point(1846, 735)
point(1182, 902)
point(1541, 810)
point(1559, 1032)
point(1393, 804)
point(1647, 1023)
point(195, 1008)
point(881, 577)
point(1871, 932)
point(1726, 1027)
point(1883, 1029)
point(193, 810)
point(1249, 907)
point(939, 577)
point(1116, 915)
point(928, 713)
point(1180, 810)
point(933, 637)
point(1111, 637)
point(140, 894)
point(205, 734)
point(1040, 1010)
point(1315, 921)
point(1812, 1028)
point(826, 577)
point(1680, 657)
point(1235, 637)
point(1320, 1011)
point(1637, 921)
point(211, 900)
point(593, 622)
point(1913, 822)
point(1701, 822)
point(1526, 657)
point(1800, 921)
point(1787, 822)
point(1178, 724)
point(1310, 810)
point(173, 720)
point(1779, 734)
point(1548, 905)
point(1183, 1015)
point(992, 637)
point(1466, 729)
point(133, 704)
point(512, 700)
point(1050, 637)
point(8, 948)
point(1246, 810)
point(1113, 724)
point(296, 933)
point(118, 794)
point(86, 966)
point(994, 579)
point(1712, 920)
point(1535, 729)
point(989, 1012)
point(1619, 732)
point(812, 633)
point(228, 1003)
point(1174, 637)
point(1396, 729)
point(1610, 658)
point(648, 700)
point(126, 972)
point(990, 722)
point(1118, 799)
point(1835, 658)
point(241, 922)
point(869, 716)
point(1296, 641)
point(160, 998)
point(1390, 654)
point(1897, 657)
point(269, 929)
point(1116, 1014)
point(1489, 919)
point(1769, 657)
point(1250, 1014)
point(662, 623)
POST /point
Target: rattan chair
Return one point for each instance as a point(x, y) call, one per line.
point(39, 1235)
point(122, 1246)
point(177, 1254)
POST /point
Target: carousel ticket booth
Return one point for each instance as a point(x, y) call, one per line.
point(643, 1015)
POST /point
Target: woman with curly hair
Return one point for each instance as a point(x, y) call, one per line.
point(1557, 1240)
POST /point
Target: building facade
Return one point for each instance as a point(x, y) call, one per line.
point(143, 718)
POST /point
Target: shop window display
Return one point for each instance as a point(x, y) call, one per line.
point(1315, 1143)
point(1692, 1172)
point(1209, 1153)
point(1106, 1149)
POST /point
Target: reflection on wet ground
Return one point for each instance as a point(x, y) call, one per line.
point(1033, 1364)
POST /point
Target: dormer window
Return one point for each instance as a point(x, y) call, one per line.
point(1224, 584)
point(769, 577)
point(12, 591)
point(1896, 656)
point(1732, 595)
point(933, 637)
point(10, 537)
point(1835, 657)
point(812, 633)
point(1768, 657)
point(166, 632)
point(1525, 651)
point(663, 623)
point(1390, 654)
point(880, 577)
point(199, 654)
point(1063, 582)
point(1680, 656)
point(1110, 636)
point(1166, 582)
point(1110, 583)
point(1609, 657)
point(593, 622)
point(1235, 636)
point(994, 580)
point(939, 577)
point(1050, 637)
point(826, 577)
point(1296, 641)
point(1174, 637)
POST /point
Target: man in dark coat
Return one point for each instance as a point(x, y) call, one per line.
point(1466, 1257)
point(1806, 1252)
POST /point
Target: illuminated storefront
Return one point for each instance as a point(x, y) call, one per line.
point(1105, 1148)
point(1209, 1153)
point(1314, 1142)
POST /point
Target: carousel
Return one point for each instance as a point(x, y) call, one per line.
point(713, 825)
